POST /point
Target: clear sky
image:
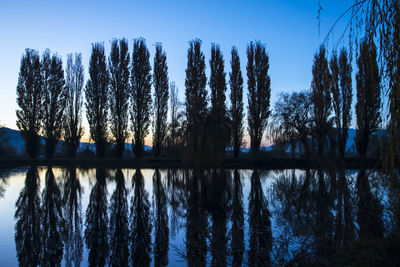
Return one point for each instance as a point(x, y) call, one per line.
point(289, 29)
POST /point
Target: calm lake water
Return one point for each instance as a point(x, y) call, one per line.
point(52, 216)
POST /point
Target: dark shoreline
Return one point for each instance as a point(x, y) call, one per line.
point(152, 162)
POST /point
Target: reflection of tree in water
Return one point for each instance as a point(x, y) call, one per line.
point(196, 223)
point(237, 229)
point(119, 227)
point(73, 219)
point(323, 227)
point(259, 225)
point(161, 242)
point(27, 215)
point(52, 222)
point(176, 189)
point(344, 225)
point(369, 216)
point(219, 196)
point(97, 221)
point(141, 225)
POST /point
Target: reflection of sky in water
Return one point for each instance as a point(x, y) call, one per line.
point(13, 183)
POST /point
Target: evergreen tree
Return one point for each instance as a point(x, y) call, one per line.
point(160, 82)
point(74, 82)
point(119, 93)
point(321, 98)
point(259, 86)
point(236, 85)
point(29, 100)
point(368, 96)
point(97, 93)
point(54, 100)
point(218, 127)
point(140, 94)
point(196, 97)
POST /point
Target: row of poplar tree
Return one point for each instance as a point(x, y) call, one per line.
point(119, 90)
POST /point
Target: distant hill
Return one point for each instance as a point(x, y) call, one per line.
point(17, 142)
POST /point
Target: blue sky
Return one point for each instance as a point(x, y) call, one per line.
point(289, 30)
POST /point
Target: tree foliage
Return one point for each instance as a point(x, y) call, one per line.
point(29, 100)
point(368, 96)
point(74, 81)
point(161, 92)
point(217, 123)
point(321, 98)
point(291, 120)
point(97, 94)
point(259, 92)
point(236, 97)
point(54, 100)
point(140, 94)
point(196, 97)
point(118, 63)
point(342, 94)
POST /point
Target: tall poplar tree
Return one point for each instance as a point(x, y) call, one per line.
point(368, 96)
point(54, 100)
point(196, 97)
point(97, 92)
point(259, 86)
point(74, 82)
point(321, 98)
point(119, 93)
point(236, 85)
point(29, 100)
point(218, 130)
point(161, 94)
point(342, 94)
point(140, 94)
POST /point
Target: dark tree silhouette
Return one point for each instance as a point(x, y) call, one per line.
point(119, 226)
point(29, 100)
point(140, 94)
point(368, 96)
point(342, 94)
point(321, 98)
point(74, 81)
point(97, 94)
point(259, 86)
point(260, 245)
point(196, 224)
point(237, 218)
point(217, 127)
point(292, 121)
point(236, 111)
point(196, 97)
point(140, 238)
point(118, 63)
point(28, 241)
point(161, 229)
point(52, 221)
point(96, 237)
point(160, 83)
point(54, 100)
point(73, 218)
